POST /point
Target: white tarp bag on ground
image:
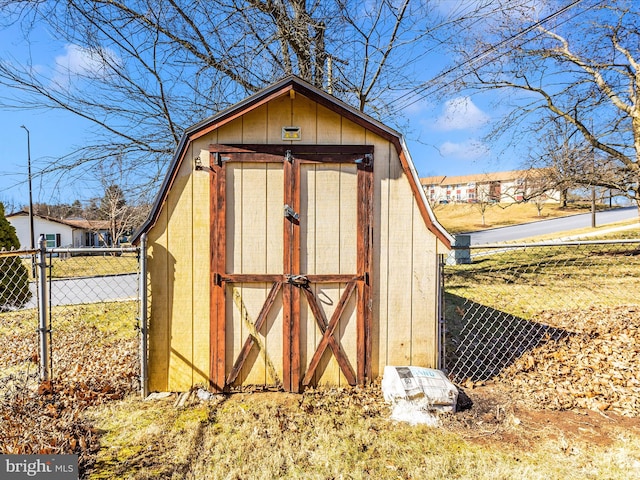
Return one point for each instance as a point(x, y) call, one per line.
point(416, 392)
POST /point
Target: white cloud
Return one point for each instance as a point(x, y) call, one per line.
point(79, 61)
point(490, 13)
point(418, 108)
point(458, 8)
point(467, 150)
point(461, 113)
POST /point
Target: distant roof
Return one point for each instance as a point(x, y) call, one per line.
point(70, 222)
point(477, 177)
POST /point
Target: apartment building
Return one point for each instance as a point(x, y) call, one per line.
point(499, 187)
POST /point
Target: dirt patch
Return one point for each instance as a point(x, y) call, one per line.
point(492, 416)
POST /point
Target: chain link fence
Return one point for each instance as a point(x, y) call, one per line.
point(72, 326)
point(547, 318)
point(510, 299)
point(61, 310)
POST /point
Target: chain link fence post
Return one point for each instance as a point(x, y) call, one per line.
point(45, 360)
point(142, 252)
point(442, 323)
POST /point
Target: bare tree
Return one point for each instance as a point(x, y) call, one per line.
point(533, 185)
point(10, 204)
point(152, 68)
point(123, 208)
point(570, 163)
point(579, 64)
point(537, 187)
point(488, 194)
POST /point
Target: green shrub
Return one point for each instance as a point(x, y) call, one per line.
point(14, 276)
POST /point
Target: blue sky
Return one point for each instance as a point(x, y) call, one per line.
point(444, 138)
point(52, 133)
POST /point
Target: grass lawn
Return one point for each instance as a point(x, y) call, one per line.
point(91, 265)
point(88, 265)
point(346, 434)
point(466, 217)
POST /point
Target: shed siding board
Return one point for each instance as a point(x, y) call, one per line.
point(275, 219)
point(400, 245)
point(254, 126)
point(381, 212)
point(179, 204)
point(201, 256)
point(420, 282)
point(329, 126)
point(229, 133)
point(348, 215)
point(305, 117)
point(252, 297)
point(253, 224)
point(348, 218)
point(424, 347)
point(352, 133)
point(234, 242)
point(279, 115)
point(253, 258)
point(347, 334)
point(310, 334)
point(308, 202)
point(404, 252)
point(328, 228)
point(327, 255)
point(159, 263)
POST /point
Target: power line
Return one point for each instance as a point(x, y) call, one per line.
point(419, 93)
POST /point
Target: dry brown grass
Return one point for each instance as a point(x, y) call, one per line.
point(323, 434)
point(94, 361)
point(347, 434)
point(466, 217)
point(91, 265)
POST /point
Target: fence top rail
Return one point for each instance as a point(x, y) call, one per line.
point(547, 244)
point(94, 250)
point(14, 253)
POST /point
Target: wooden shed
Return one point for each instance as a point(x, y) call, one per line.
point(289, 245)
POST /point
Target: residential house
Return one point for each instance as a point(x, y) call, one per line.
point(60, 232)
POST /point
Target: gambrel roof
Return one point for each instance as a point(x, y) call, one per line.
point(285, 87)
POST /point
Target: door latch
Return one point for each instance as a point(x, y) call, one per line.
point(298, 280)
point(291, 213)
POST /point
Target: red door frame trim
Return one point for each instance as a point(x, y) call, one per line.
point(362, 155)
point(217, 318)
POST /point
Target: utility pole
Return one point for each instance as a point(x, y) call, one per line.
point(593, 207)
point(593, 187)
point(30, 190)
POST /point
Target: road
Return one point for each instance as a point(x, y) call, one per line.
point(89, 290)
point(555, 225)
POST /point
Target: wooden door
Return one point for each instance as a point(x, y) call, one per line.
point(278, 211)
